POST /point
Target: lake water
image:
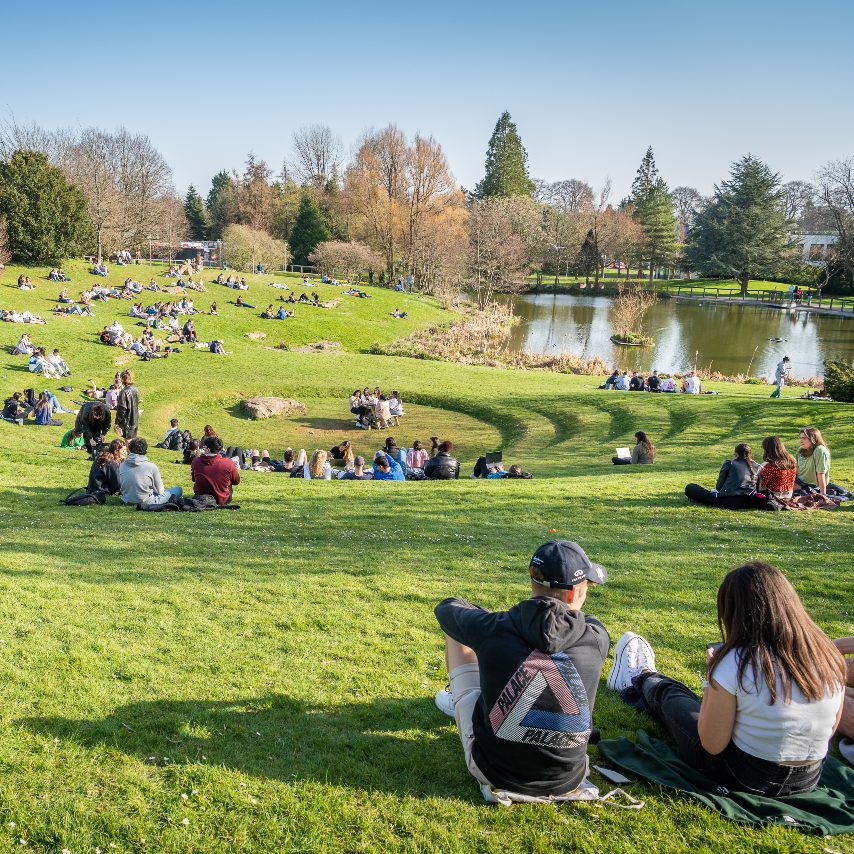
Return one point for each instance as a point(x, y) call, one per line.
point(712, 334)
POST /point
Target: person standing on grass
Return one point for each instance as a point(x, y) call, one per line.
point(523, 682)
point(780, 374)
point(127, 406)
point(212, 473)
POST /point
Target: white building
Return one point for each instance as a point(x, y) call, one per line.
point(814, 247)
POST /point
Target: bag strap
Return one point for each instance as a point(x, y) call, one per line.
point(610, 800)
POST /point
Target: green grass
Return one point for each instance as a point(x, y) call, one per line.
point(284, 657)
point(611, 280)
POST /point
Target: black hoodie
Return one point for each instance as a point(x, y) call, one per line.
point(540, 664)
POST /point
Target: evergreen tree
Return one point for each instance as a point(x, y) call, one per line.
point(588, 256)
point(197, 218)
point(743, 232)
point(45, 215)
point(506, 163)
point(220, 203)
point(653, 211)
point(309, 230)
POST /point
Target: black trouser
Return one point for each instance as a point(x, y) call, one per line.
point(621, 461)
point(480, 468)
point(678, 708)
point(727, 502)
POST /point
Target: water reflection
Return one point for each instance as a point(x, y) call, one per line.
point(726, 337)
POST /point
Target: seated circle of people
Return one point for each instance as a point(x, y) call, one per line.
point(772, 697)
point(523, 682)
point(212, 473)
point(141, 483)
point(643, 453)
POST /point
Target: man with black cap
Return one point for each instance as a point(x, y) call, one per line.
point(523, 682)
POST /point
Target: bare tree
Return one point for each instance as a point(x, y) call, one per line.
point(836, 184)
point(351, 259)
point(316, 155)
point(498, 257)
point(798, 196)
point(686, 202)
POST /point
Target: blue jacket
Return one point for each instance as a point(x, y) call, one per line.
point(395, 471)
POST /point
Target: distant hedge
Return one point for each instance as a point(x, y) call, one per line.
point(839, 381)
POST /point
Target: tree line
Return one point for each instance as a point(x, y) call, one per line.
point(394, 209)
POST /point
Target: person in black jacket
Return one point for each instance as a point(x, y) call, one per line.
point(523, 682)
point(443, 466)
point(93, 421)
point(127, 407)
point(736, 485)
point(636, 382)
point(104, 474)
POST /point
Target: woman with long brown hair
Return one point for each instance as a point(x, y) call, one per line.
point(777, 476)
point(813, 460)
point(773, 696)
point(104, 474)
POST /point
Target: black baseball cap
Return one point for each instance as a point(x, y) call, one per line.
point(564, 564)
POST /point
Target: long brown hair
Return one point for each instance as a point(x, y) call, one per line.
point(643, 439)
point(115, 452)
point(760, 614)
point(815, 437)
point(774, 452)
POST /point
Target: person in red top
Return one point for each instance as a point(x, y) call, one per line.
point(777, 476)
point(212, 473)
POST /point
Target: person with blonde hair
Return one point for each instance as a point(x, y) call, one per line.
point(813, 459)
point(772, 697)
point(318, 467)
point(777, 475)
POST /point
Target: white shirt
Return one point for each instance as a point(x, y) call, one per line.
point(783, 732)
point(693, 385)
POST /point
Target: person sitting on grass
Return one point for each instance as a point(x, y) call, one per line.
point(44, 412)
point(73, 440)
point(636, 382)
point(59, 364)
point(643, 452)
point(318, 467)
point(357, 472)
point(212, 473)
point(269, 313)
point(813, 460)
point(772, 697)
point(386, 467)
point(622, 382)
point(104, 472)
point(141, 483)
point(611, 382)
point(668, 385)
point(393, 451)
point(343, 453)
point(653, 383)
point(523, 682)
point(777, 476)
point(442, 466)
point(417, 456)
point(39, 364)
point(736, 485)
point(283, 313)
point(241, 304)
point(13, 410)
point(24, 347)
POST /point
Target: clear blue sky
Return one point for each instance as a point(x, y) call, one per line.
point(589, 84)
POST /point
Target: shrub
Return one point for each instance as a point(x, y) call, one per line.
point(839, 381)
point(244, 247)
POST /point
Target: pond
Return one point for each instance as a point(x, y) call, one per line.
point(726, 338)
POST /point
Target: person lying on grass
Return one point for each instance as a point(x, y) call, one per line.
point(523, 682)
point(772, 697)
point(140, 478)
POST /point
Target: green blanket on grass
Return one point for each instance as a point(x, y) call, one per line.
point(827, 810)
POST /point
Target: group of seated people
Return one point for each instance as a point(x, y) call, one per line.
point(50, 365)
point(375, 409)
point(99, 268)
point(58, 275)
point(781, 480)
point(235, 282)
point(389, 463)
point(355, 292)
point(271, 313)
point(21, 405)
point(621, 381)
point(25, 283)
point(157, 314)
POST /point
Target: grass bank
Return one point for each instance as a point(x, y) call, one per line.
point(262, 680)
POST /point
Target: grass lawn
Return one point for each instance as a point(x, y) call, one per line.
point(611, 280)
point(263, 680)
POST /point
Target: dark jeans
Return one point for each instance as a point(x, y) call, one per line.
point(727, 502)
point(678, 708)
point(621, 461)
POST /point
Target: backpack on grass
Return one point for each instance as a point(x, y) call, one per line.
point(83, 498)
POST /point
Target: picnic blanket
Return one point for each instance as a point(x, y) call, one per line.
point(827, 810)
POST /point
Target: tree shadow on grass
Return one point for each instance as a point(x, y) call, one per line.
point(396, 745)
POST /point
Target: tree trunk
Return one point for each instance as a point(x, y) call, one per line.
point(745, 281)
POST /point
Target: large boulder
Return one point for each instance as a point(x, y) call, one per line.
point(268, 407)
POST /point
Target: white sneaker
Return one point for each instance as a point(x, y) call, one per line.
point(445, 702)
point(632, 655)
